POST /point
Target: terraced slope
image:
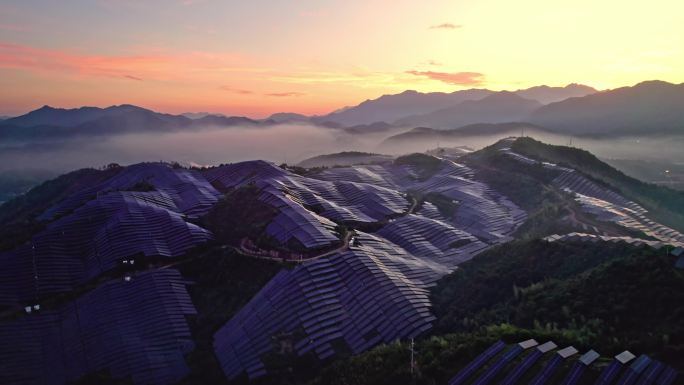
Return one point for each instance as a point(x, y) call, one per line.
point(374, 292)
point(131, 329)
point(601, 201)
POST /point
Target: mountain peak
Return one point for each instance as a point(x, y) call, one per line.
point(654, 84)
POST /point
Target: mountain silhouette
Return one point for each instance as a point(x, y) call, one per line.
point(500, 107)
point(646, 108)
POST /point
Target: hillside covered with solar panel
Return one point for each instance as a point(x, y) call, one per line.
point(507, 265)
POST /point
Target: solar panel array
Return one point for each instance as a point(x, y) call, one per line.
point(190, 192)
point(477, 363)
point(583, 237)
point(608, 205)
point(361, 297)
point(496, 362)
point(432, 240)
point(116, 328)
point(482, 212)
point(93, 239)
point(410, 251)
point(310, 208)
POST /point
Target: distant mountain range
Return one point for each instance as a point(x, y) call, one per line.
point(389, 108)
point(432, 135)
point(498, 107)
point(48, 122)
point(652, 107)
point(646, 108)
point(393, 108)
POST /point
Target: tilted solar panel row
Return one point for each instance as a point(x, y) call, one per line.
point(94, 239)
point(192, 194)
point(356, 297)
point(477, 363)
point(482, 212)
point(532, 357)
point(496, 367)
point(132, 329)
point(432, 240)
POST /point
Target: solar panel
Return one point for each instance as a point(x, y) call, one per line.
point(515, 374)
point(580, 367)
point(477, 363)
point(495, 368)
point(651, 373)
point(667, 377)
point(609, 373)
point(133, 329)
point(589, 357)
point(371, 300)
point(630, 375)
point(554, 363)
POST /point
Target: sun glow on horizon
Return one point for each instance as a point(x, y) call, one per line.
point(257, 58)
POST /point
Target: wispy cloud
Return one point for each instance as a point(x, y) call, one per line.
point(236, 90)
point(285, 94)
point(158, 65)
point(446, 26)
point(455, 78)
point(133, 77)
point(14, 27)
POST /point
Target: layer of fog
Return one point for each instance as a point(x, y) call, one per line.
point(211, 146)
point(282, 144)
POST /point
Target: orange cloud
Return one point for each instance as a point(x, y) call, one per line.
point(446, 26)
point(158, 66)
point(456, 78)
point(236, 91)
point(285, 94)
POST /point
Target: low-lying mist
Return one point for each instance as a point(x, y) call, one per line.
point(286, 143)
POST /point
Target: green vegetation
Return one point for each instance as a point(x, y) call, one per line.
point(222, 283)
point(425, 165)
point(18, 216)
point(240, 214)
point(16, 182)
point(528, 186)
point(609, 296)
point(665, 204)
point(525, 185)
point(446, 206)
point(437, 358)
point(142, 186)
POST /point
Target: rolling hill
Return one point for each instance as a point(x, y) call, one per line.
point(392, 108)
point(652, 107)
point(500, 107)
point(62, 124)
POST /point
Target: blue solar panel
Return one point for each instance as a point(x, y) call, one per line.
point(667, 377)
point(609, 373)
point(575, 374)
point(548, 371)
point(493, 370)
point(651, 373)
point(477, 363)
point(132, 329)
point(514, 375)
point(630, 375)
point(360, 297)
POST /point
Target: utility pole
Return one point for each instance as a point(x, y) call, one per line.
point(413, 364)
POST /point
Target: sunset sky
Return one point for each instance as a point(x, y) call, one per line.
point(257, 57)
